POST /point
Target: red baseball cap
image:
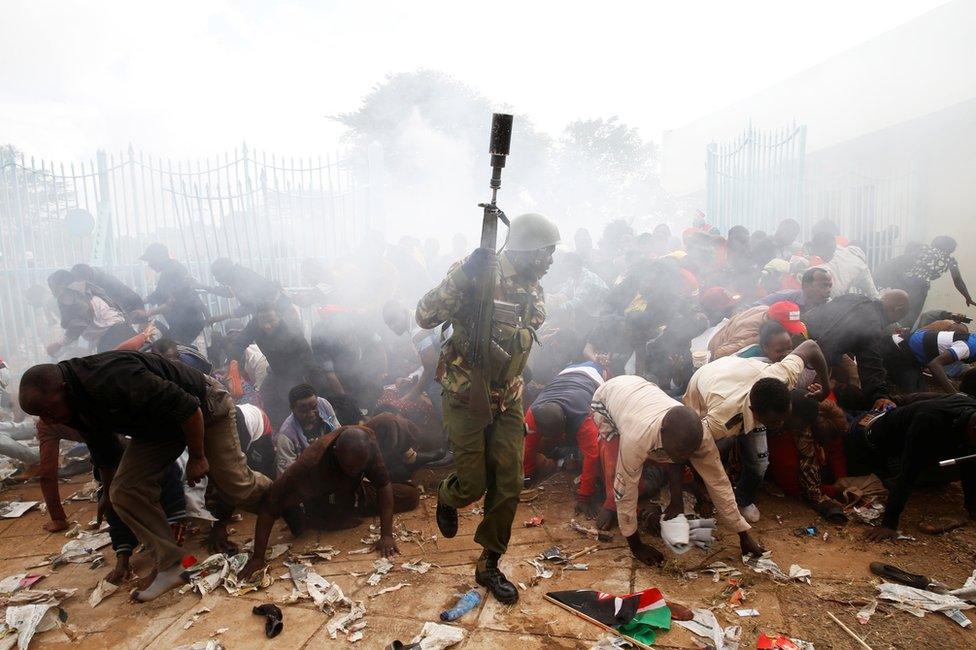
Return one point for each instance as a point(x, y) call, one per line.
point(718, 299)
point(787, 314)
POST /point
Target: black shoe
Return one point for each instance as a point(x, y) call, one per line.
point(443, 462)
point(488, 575)
point(447, 520)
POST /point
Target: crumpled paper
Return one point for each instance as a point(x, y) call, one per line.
point(419, 566)
point(103, 590)
point(381, 567)
point(14, 509)
point(82, 549)
point(13, 583)
point(29, 612)
point(765, 564)
point(437, 636)
point(221, 570)
point(919, 601)
point(704, 624)
point(209, 644)
point(968, 589)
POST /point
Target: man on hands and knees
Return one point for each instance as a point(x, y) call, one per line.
point(334, 473)
point(560, 418)
point(917, 436)
point(164, 407)
point(653, 426)
point(741, 398)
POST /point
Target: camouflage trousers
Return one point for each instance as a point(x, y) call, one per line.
point(487, 461)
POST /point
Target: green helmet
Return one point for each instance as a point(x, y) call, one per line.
point(530, 232)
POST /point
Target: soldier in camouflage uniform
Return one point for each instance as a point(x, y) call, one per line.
point(488, 452)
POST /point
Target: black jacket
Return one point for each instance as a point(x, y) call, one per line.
point(141, 395)
point(920, 435)
point(856, 325)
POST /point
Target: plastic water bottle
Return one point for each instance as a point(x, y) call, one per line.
point(466, 603)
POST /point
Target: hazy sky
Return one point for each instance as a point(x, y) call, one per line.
point(194, 77)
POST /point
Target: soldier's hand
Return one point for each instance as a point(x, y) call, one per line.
point(480, 262)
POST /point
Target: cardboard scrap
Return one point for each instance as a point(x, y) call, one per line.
point(103, 590)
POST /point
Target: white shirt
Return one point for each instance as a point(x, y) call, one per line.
point(849, 270)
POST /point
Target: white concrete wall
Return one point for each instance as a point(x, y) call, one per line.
point(919, 68)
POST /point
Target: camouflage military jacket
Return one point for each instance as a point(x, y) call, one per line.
point(452, 301)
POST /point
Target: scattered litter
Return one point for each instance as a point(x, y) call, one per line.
point(825, 535)
point(867, 612)
point(809, 531)
point(522, 586)
point(14, 509)
point(103, 590)
point(553, 554)
point(744, 613)
point(273, 619)
point(195, 617)
point(39, 596)
point(528, 496)
point(381, 567)
point(705, 625)
point(968, 590)
point(218, 631)
point(718, 571)
point(74, 531)
point(577, 567)
point(355, 636)
point(541, 572)
point(465, 604)
point(323, 553)
point(276, 551)
point(27, 620)
point(370, 539)
point(13, 583)
point(396, 587)
point(221, 570)
point(800, 574)
point(360, 551)
point(534, 522)
point(82, 549)
point(593, 533)
point(904, 538)
point(765, 564)
point(342, 623)
point(782, 642)
point(477, 511)
point(918, 601)
point(870, 514)
point(611, 642)
point(418, 566)
point(209, 644)
point(434, 636)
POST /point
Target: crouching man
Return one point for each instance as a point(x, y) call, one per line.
point(338, 476)
point(653, 426)
point(164, 407)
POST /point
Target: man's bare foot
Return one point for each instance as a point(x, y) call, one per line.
point(121, 572)
point(164, 581)
point(218, 542)
point(144, 582)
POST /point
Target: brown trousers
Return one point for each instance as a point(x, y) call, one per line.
point(137, 483)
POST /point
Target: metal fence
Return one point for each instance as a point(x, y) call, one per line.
point(756, 180)
point(873, 212)
point(266, 211)
point(762, 177)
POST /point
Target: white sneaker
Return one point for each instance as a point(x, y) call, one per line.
point(750, 513)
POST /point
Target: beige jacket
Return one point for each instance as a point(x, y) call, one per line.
point(742, 330)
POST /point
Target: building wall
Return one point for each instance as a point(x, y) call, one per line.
point(914, 70)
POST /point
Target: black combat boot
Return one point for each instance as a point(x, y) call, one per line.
point(447, 520)
point(488, 575)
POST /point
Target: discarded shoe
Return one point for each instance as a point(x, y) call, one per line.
point(273, 623)
point(447, 520)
